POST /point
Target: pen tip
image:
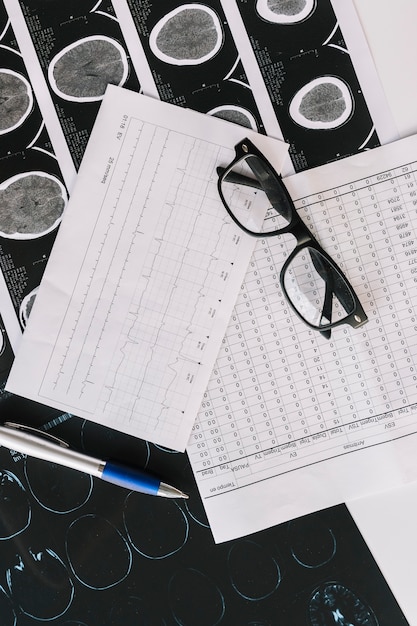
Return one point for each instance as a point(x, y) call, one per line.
point(170, 492)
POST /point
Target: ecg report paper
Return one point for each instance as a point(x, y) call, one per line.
point(292, 422)
point(143, 276)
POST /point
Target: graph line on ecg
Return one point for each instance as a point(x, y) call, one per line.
point(190, 267)
point(99, 299)
point(180, 353)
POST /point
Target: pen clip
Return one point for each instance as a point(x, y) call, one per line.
point(31, 429)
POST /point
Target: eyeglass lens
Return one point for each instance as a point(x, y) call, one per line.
point(316, 289)
point(251, 193)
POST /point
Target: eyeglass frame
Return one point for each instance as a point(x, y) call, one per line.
point(297, 228)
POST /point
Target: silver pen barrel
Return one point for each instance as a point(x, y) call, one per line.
point(41, 448)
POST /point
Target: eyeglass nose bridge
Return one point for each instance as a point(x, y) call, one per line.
point(300, 231)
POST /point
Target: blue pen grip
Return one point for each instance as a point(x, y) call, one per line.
point(130, 478)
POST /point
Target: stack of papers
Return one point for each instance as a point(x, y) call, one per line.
point(144, 273)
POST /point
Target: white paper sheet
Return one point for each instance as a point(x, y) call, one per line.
point(393, 56)
point(143, 276)
point(291, 422)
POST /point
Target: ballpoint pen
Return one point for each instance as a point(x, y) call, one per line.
point(15, 437)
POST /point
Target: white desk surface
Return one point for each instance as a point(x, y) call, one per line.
point(391, 34)
point(388, 521)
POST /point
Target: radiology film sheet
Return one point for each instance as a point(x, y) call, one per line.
point(253, 67)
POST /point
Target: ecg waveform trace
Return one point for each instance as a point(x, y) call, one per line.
point(141, 324)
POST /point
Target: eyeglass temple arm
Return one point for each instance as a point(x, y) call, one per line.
point(271, 191)
point(234, 177)
point(328, 294)
point(334, 285)
point(327, 309)
point(335, 282)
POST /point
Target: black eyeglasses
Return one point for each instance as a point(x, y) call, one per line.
point(256, 198)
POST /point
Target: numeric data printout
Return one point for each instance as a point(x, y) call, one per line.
point(292, 422)
point(144, 273)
